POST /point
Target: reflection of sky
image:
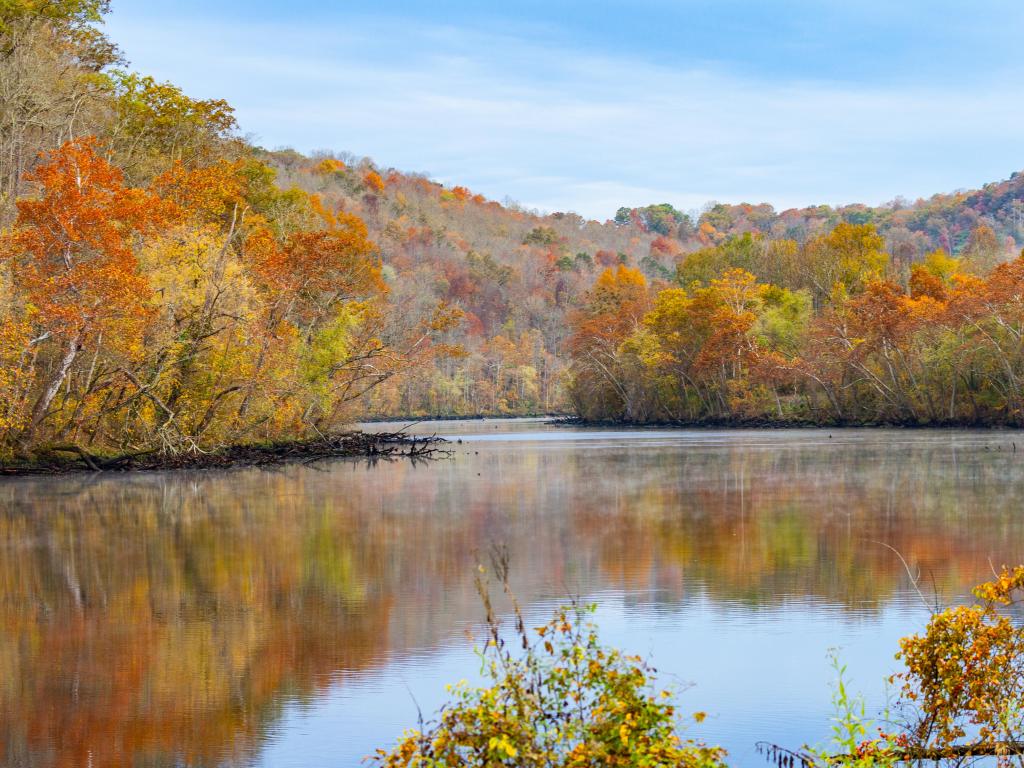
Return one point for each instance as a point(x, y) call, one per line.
point(542, 430)
point(762, 674)
point(759, 674)
point(735, 560)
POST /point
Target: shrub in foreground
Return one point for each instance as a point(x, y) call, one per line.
point(557, 698)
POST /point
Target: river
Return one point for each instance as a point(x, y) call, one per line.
point(297, 616)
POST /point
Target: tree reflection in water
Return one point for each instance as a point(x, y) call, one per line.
point(168, 618)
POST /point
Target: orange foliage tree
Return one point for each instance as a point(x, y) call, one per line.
point(73, 252)
point(615, 307)
point(964, 676)
point(211, 308)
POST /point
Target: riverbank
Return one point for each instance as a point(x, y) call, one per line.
point(762, 422)
point(60, 459)
point(70, 458)
point(473, 417)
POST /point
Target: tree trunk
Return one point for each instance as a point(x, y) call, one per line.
point(43, 403)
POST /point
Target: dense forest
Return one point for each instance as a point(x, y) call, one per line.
point(159, 289)
point(831, 330)
point(166, 284)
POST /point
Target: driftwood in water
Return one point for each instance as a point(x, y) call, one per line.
point(786, 758)
point(58, 459)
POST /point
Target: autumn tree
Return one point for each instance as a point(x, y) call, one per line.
point(614, 308)
point(983, 251)
point(52, 89)
point(964, 676)
point(844, 260)
point(156, 124)
point(318, 288)
point(73, 254)
point(712, 340)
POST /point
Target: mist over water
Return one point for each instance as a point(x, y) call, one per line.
point(295, 616)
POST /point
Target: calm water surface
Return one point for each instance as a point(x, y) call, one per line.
point(295, 616)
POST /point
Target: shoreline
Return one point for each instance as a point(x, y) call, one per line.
point(70, 459)
point(359, 444)
point(766, 423)
point(472, 417)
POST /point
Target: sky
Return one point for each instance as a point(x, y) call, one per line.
point(592, 105)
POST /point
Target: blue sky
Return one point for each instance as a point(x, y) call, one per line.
point(587, 106)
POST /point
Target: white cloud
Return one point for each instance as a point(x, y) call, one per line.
point(572, 130)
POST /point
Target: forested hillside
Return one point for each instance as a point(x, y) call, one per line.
point(160, 292)
point(519, 275)
point(514, 275)
point(165, 285)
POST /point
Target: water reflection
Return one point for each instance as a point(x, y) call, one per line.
point(181, 618)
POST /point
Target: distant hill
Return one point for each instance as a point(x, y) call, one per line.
point(942, 221)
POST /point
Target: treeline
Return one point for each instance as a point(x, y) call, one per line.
point(828, 331)
point(911, 229)
point(518, 275)
point(158, 289)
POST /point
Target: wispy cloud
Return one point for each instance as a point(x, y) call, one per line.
point(563, 129)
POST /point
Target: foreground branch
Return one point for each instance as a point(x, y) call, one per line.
point(787, 758)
